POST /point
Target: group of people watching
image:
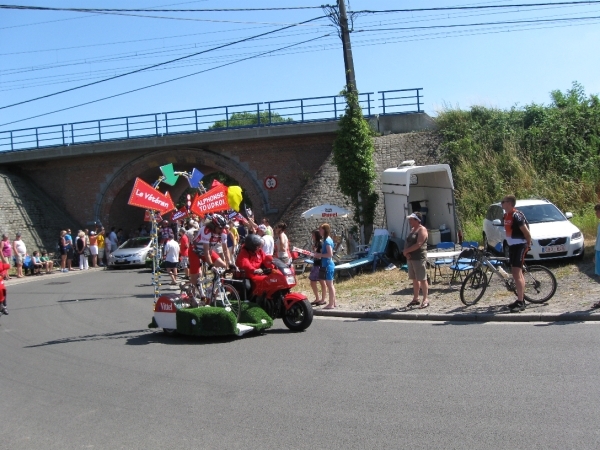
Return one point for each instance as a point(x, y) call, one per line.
point(17, 251)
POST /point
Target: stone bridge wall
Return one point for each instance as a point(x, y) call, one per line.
point(390, 151)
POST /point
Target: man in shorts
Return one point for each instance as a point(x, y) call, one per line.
point(519, 242)
point(171, 258)
point(415, 251)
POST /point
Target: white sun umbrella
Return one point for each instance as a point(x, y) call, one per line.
point(325, 212)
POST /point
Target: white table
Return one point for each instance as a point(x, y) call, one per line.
point(443, 255)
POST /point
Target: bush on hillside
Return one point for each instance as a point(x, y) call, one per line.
point(548, 151)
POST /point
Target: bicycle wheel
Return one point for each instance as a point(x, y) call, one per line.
point(228, 297)
point(473, 287)
point(540, 284)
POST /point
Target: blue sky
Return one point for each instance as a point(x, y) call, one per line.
point(493, 65)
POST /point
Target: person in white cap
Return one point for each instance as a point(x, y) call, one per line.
point(415, 251)
point(268, 242)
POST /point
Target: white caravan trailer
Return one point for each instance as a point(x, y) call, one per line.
point(428, 189)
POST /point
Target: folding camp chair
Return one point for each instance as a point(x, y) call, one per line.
point(376, 253)
point(441, 262)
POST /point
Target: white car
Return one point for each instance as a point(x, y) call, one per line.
point(132, 252)
point(552, 234)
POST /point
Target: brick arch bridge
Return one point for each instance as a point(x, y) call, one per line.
point(93, 181)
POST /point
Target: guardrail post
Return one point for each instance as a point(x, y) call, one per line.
point(334, 107)
point(63, 133)
point(11, 141)
point(127, 126)
point(270, 120)
point(196, 116)
point(72, 135)
point(166, 123)
point(99, 132)
point(302, 109)
point(156, 123)
point(418, 102)
point(258, 113)
point(37, 142)
point(369, 103)
point(227, 117)
point(383, 101)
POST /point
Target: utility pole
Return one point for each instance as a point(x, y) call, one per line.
point(347, 47)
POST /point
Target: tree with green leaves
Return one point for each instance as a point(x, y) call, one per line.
point(353, 156)
point(244, 119)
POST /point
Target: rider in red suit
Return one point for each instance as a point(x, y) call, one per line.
point(252, 260)
point(3, 271)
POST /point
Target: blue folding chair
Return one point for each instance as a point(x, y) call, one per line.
point(465, 260)
point(441, 262)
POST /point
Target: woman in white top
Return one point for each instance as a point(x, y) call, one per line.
point(283, 245)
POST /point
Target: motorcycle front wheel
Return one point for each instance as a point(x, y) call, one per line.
point(299, 316)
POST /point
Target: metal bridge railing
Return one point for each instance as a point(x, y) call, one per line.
point(250, 115)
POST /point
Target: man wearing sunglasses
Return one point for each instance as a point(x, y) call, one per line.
point(519, 242)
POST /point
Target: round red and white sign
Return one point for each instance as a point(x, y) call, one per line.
point(270, 182)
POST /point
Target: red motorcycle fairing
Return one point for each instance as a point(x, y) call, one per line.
point(291, 298)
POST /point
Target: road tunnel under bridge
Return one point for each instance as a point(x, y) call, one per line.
point(112, 208)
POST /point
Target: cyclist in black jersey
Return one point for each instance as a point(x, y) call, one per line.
point(519, 242)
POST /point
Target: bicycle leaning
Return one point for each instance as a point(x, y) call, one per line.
point(213, 292)
point(491, 274)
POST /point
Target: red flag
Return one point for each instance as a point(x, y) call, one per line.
point(216, 183)
point(213, 201)
point(183, 212)
point(148, 217)
point(145, 196)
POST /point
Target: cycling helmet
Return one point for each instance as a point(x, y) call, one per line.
point(252, 242)
point(219, 221)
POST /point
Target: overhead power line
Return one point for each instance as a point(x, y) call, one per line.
point(168, 81)
point(508, 22)
point(159, 64)
point(456, 8)
point(95, 10)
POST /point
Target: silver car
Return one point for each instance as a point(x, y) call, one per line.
point(132, 252)
point(553, 236)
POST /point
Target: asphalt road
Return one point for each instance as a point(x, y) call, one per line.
point(80, 369)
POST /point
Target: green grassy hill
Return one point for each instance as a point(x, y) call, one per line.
point(548, 151)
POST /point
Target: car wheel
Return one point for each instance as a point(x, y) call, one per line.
point(505, 250)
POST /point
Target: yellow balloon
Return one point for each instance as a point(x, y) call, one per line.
point(234, 197)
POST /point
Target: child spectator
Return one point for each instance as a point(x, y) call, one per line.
point(48, 263)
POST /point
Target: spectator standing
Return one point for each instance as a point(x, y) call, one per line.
point(48, 263)
point(94, 248)
point(597, 248)
point(327, 263)
point(81, 251)
point(268, 246)
point(269, 230)
point(184, 248)
point(101, 247)
point(6, 253)
point(114, 241)
point(20, 251)
point(172, 258)
point(242, 232)
point(62, 250)
point(70, 249)
point(519, 242)
point(314, 272)
point(281, 243)
point(415, 251)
